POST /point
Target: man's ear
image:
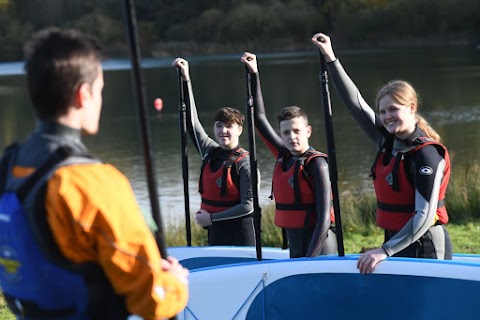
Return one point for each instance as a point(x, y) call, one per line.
point(240, 129)
point(83, 95)
point(309, 131)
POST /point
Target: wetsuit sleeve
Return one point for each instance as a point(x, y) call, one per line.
point(317, 169)
point(245, 207)
point(428, 170)
point(93, 215)
point(203, 143)
point(266, 131)
point(363, 114)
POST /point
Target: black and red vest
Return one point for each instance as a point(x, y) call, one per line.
point(394, 186)
point(218, 188)
point(293, 192)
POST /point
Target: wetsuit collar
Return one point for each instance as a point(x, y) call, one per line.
point(310, 148)
point(411, 139)
point(230, 151)
point(295, 157)
point(58, 129)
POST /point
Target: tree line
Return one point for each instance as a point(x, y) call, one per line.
point(172, 27)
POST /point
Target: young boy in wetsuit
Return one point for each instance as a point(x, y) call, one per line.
point(301, 184)
point(225, 181)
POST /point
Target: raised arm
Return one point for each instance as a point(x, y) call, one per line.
point(266, 131)
point(203, 143)
point(363, 114)
point(317, 169)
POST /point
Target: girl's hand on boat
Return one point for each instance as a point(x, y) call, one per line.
point(174, 267)
point(203, 218)
point(323, 42)
point(250, 61)
point(368, 260)
point(182, 64)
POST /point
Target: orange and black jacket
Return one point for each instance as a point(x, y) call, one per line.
point(93, 217)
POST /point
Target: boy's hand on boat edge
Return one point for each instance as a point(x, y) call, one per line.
point(368, 260)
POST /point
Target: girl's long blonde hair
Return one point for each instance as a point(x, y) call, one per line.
point(403, 93)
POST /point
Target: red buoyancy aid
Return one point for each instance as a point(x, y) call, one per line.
point(217, 188)
point(395, 192)
point(293, 192)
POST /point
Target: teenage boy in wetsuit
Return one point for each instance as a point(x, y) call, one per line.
point(82, 213)
point(225, 180)
point(301, 183)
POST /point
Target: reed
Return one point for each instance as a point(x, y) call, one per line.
point(463, 194)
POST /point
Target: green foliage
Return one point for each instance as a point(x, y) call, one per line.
point(4, 4)
point(463, 194)
point(5, 313)
point(221, 26)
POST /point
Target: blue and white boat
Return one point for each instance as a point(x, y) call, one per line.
point(330, 287)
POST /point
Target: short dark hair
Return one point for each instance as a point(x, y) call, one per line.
point(229, 115)
point(291, 112)
point(57, 62)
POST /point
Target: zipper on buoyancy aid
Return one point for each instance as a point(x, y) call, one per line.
point(301, 161)
point(227, 165)
point(386, 150)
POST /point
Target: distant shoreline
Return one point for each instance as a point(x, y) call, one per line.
point(188, 48)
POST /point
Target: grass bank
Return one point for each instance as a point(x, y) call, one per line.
point(358, 218)
point(465, 235)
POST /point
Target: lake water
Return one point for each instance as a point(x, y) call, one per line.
point(448, 81)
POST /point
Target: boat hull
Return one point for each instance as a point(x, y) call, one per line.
point(331, 288)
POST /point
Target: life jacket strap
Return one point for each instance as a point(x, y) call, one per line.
point(58, 156)
point(294, 206)
point(4, 164)
point(220, 203)
point(227, 168)
point(394, 174)
point(403, 208)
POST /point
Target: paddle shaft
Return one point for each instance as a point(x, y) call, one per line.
point(144, 128)
point(139, 90)
point(182, 115)
point(257, 213)
point(332, 158)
